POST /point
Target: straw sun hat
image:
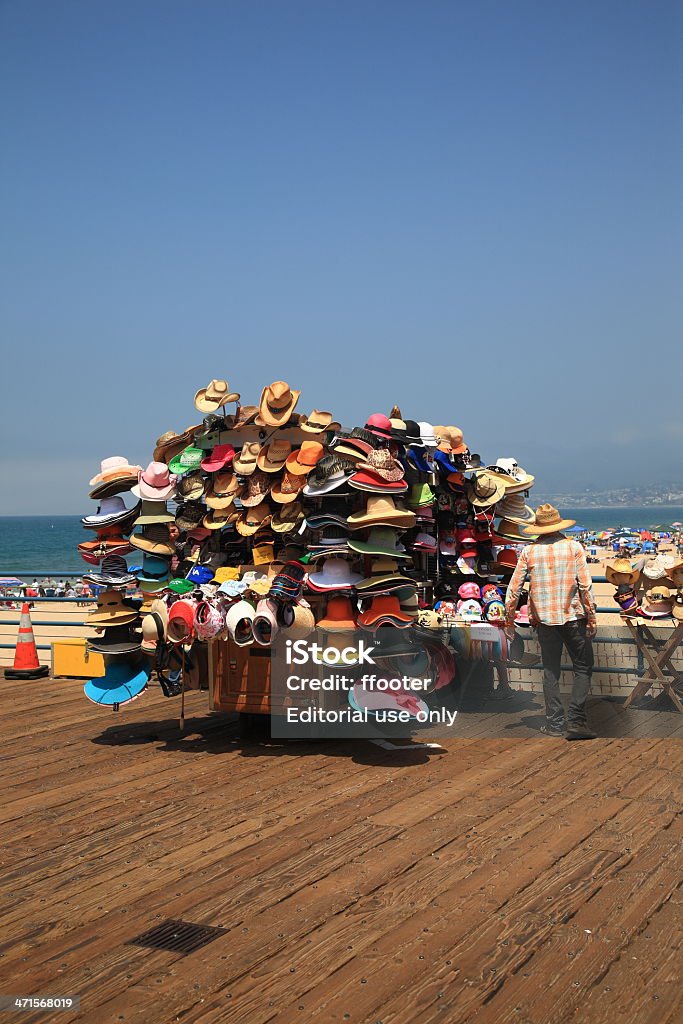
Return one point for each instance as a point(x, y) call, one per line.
point(548, 520)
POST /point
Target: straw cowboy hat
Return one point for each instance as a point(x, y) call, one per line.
point(621, 571)
point(484, 489)
point(318, 422)
point(171, 444)
point(548, 520)
point(277, 403)
point(214, 396)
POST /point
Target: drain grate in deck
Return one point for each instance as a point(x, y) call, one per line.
point(177, 936)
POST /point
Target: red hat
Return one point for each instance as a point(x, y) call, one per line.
point(380, 425)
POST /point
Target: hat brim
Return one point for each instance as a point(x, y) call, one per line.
point(155, 547)
point(120, 684)
point(277, 417)
point(204, 404)
point(539, 531)
point(401, 520)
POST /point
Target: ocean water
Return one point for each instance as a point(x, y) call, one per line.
point(33, 544)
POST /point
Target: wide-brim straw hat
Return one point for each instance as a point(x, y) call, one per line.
point(382, 511)
point(214, 396)
point(512, 507)
point(621, 571)
point(484, 489)
point(111, 611)
point(318, 422)
point(273, 456)
point(116, 467)
point(548, 520)
point(277, 403)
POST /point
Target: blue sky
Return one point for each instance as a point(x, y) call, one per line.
point(472, 210)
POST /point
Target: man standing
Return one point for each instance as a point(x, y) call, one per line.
point(562, 610)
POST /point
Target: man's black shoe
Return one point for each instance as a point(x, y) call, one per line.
point(549, 730)
point(580, 732)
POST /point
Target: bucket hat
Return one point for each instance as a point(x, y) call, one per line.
point(339, 615)
point(273, 456)
point(253, 519)
point(256, 490)
point(288, 488)
point(548, 520)
point(621, 571)
point(239, 620)
point(382, 511)
point(484, 489)
point(122, 682)
point(245, 462)
point(116, 467)
point(219, 458)
point(155, 482)
point(214, 396)
point(223, 490)
point(318, 422)
point(154, 538)
point(302, 460)
point(382, 540)
point(111, 610)
point(188, 460)
point(335, 574)
point(277, 403)
point(153, 512)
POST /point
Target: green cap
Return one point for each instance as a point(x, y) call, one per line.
point(420, 494)
point(189, 459)
point(181, 586)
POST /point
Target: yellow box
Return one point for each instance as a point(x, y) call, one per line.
point(70, 658)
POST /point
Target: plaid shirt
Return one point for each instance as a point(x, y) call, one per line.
point(561, 588)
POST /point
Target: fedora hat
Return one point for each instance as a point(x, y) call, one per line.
point(187, 461)
point(245, 462)
point(214, 396)
point(111, 610)
point(318, 422)
point(287, 518)
point(302, 460)
point(116, 467)
point(277, 403)
point(621, 571)
point(483, 489)
point(381, 510)
point(273, 456)
point(548, 520)
point(225, 487)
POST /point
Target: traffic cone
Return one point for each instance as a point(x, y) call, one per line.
point(26, 664)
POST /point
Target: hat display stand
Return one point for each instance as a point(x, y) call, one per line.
point(262, 523)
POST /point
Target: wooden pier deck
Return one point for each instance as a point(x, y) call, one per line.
point(514, 878)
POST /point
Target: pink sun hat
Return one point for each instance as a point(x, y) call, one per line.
point(220, 457)
point(155, 483)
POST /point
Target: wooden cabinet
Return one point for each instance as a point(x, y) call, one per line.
point(239, 677)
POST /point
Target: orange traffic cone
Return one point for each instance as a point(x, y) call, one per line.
point(26, 664)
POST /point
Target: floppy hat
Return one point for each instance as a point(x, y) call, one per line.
point(121, 682)
point(381, 511)
point(113, 573)
point(154, 538)
point(317, 422)
point(253, 519)
point(621, 571)
point(339, 615)
point(330, 473)
point(335, 575)
point(382, 540)
point(658, 568)
point(245, 416)
point(245, 462)
point(484, 489)
point(239, 620)
point(287, 488)
point(111, 512)
point(186, 461)
point(379, 425)
point(273, 456)
point(287, 518)
point(111, 610)
point(384, 609)
point(116, 467)
point(115, 641)
point(365, 480)
point(548, 520)
point(191, 487)
point(221, 455)
point(302, 460)
point(225, 487)
point(512, 507)
point(153, 512)
point(214, 396)
point(258, 486)
point(657, 602)
point(277, 403)
point(384, 577)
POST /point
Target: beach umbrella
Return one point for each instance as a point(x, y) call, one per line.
point(11, 581)
point(677, 524)
point(576, 529)
point(645, 535)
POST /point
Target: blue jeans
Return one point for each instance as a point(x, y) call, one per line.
point(552, 639)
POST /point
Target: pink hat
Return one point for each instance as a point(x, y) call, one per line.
point(155, 483)
point(220, 457)
point(114, 468)
point(379, 424)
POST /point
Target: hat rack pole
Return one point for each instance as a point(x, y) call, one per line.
point(181, 722)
